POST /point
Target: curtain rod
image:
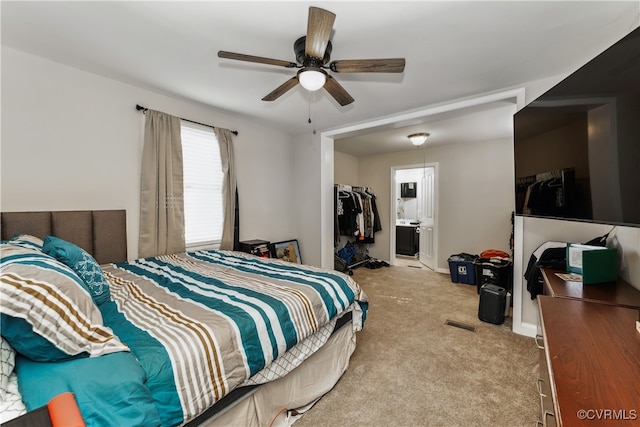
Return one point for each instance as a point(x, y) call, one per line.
point(144, 110)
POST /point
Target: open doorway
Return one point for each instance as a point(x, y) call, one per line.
point(368, 148)
point(414, 240)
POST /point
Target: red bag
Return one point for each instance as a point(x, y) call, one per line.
point(494, 253)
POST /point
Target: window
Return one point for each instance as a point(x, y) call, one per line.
point(203, 177)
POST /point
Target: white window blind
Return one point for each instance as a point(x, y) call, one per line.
point(203, 214)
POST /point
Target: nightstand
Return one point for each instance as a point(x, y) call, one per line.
point(256, 247)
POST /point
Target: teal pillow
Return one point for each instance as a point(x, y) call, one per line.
point(30, 343)
point(84, 265)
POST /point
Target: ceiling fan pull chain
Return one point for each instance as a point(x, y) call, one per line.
point(309, 99)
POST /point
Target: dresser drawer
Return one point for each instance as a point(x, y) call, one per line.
point(547, 414)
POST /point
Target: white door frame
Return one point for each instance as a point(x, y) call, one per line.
point(393, 199)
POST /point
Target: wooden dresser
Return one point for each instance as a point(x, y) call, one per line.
point(619, 293)
point(590, 354)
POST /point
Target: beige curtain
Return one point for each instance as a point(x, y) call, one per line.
point(161, 189)
point(228, 187)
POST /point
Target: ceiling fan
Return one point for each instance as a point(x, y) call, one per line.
point(313, 53)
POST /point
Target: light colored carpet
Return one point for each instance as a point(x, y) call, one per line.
point(411, 369)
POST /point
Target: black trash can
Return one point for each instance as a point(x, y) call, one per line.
point(493, 300)
point(494, 271)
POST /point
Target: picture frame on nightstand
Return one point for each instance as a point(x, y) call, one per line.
point(287, 250)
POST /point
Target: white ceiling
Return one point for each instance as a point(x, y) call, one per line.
point(453, 50)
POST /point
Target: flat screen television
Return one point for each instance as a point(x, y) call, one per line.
point(577, 147)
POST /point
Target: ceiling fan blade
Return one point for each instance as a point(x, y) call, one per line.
point(388, 65)
point(337, 91)
point(282, 89)
point(257, 59)
point(319, 28)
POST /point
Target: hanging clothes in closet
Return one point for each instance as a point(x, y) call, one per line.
point(544, 193)
point(356, 213)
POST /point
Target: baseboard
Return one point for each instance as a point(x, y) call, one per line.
point(526, 329)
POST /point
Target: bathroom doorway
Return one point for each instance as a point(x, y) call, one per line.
point(414, 192)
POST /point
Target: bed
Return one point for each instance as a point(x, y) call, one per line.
point(196, 338)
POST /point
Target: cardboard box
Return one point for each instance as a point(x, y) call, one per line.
point(596, 264)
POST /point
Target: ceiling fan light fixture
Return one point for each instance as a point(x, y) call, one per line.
point(418, 139)
point(312, 78)
point(313, 55)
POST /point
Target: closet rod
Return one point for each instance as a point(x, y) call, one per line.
point(144, 110)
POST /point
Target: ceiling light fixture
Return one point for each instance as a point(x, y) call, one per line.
point(418, 139)
point(312, 78)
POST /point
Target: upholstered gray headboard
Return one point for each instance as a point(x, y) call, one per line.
point(102, 233)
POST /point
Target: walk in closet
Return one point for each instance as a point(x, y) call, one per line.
point(356, 222)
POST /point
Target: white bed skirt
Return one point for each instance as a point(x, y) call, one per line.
point(271, 403)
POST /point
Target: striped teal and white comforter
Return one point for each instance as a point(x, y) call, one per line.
point(206, 322)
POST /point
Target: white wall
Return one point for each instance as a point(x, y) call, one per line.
point(73, 140)
point(345, 169)
point(308, 187)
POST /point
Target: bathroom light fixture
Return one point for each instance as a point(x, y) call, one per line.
point(312, 78)
point(418, 139)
